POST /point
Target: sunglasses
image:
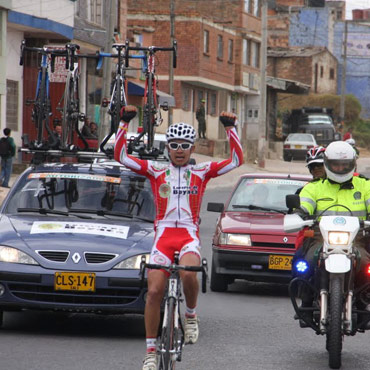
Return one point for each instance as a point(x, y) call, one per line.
point(315, 165)
point(176, 146)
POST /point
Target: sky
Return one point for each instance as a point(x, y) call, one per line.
point(356, 4)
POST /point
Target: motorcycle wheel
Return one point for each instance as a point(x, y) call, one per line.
point(334, 336)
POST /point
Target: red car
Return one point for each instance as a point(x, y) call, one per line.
point(249, 242)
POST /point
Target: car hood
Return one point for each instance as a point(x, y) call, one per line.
point(120, 237)
point(252, 222)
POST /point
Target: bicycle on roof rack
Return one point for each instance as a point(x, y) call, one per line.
point(71, 114)
point(143, 144)
point(118, 97)
point(41, 104)
point(172, 337)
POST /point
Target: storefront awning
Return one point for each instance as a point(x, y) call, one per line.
point(137, 89)
point(287, 86)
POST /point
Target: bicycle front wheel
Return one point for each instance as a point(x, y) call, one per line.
point(41, 107)
point(66, 118)
point(150, 112)
point(168, 338)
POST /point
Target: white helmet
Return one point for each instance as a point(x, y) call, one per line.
point(339, 161)
point(181, 131)
point(351, 141)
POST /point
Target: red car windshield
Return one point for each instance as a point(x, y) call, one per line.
point(263, 192)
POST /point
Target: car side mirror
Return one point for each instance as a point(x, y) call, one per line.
point(215, 207)
point(292, 201)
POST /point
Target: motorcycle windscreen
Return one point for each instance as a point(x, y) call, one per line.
point(337, 263)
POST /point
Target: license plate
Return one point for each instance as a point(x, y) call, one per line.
point(298, 146)
point(80, 281)
point(280, 262)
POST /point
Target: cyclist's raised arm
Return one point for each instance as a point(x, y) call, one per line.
point(120, 147)
point(236, 150)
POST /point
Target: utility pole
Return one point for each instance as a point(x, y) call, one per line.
point(107, 70)
point(171, 73)
point(344, 69)
point(262, 115)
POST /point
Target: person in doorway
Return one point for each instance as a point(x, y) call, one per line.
point(201, 118)
point(7, 150)
point(55, 139)
point(93, 130)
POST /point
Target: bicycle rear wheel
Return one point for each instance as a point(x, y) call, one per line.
point(168, 337)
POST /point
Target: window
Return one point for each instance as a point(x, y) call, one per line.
point(321, 71)
point(206, 42)
point(12, 94)
point(230, 48)
point(213, 107)
point(95, 12)
point(220, 47)
point(255, 54)
point(332, 74)
point(256, 8)
point(186, 99)
point(245, 52)
point(247, 5)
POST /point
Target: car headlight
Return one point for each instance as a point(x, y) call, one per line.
point(132, 263)
point(13, 255)
point(338, 238)
point(235, 239)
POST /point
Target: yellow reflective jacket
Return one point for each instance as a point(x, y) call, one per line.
point(319, 195)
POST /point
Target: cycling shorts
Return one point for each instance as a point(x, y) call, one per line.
point(174, 239)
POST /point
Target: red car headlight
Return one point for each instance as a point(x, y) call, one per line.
point(235, 239)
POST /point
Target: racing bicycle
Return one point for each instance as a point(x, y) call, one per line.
point(172, 337)
point(118, 97)
point(41, 104)
point(152, 113)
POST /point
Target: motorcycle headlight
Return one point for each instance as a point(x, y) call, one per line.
point(13, 255)
point(132, 263)
point(338, 238)
point(235, 239)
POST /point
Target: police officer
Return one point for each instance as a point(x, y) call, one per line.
point(201, 117)
point(339, 188)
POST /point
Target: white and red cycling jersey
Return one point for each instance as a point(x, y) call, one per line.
point(178, 191)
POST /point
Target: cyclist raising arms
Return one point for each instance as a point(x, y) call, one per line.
point(178, 189)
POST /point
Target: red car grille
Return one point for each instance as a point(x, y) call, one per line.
point(273, 245)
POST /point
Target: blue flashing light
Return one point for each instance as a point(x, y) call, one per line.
point(301, 266)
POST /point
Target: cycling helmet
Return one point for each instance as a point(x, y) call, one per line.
point(315, 155)
point(339, 161)
point(181, 131)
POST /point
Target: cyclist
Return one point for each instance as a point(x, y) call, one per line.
point(178, 190)
point(315, 162)
point(340, 187)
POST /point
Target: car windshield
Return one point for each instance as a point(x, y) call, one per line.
point(300, 137)
point(319, 120)
point(263, 192)
point(69, 193)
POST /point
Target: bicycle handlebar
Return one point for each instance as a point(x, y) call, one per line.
point(151, 50)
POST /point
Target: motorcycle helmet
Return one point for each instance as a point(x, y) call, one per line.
point(351, 142)
point(181, 131)
point(315, 155)
point(339, 161)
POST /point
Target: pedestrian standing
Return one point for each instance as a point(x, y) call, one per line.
point(7, 152)
point(201, 117)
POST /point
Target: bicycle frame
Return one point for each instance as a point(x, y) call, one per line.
point(152, 112)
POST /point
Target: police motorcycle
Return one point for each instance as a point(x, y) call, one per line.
point(339, 306)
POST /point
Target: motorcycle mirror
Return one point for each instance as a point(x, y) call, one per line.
point(292, 201)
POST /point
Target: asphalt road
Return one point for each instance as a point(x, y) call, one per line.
point(249, 327)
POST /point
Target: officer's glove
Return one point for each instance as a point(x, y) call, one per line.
point(228, 119)
point(128, 113)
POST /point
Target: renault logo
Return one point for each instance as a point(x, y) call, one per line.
point(285, 239)
point(76, 257)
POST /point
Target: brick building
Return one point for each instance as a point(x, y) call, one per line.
point(218, 57)
point(313, 66)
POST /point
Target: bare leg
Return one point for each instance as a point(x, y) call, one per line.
point(156, 286)
point(190, 280)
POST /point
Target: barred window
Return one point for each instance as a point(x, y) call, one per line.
point(246, 52)
point(186, 99)
point(206, 42)
point(96, 12)
point(213, 107)
point(231, 51)
point(12, 94)
point(255, 54)
point(220, 47)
